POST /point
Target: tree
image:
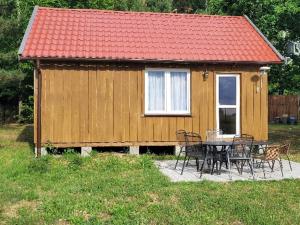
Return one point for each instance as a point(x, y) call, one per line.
point(10, 75)
point(191, 6)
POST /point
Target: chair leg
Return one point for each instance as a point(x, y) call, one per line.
point(258, 164)
point(242, 166)
point(253, 162)
point(197, 164)
point(270, 166)
point(178, 157)
point(221, 163)
point(219, 170)
point(202, 166)
point(209, 163)
point(213, 167)
point(183, 165)
point(273, 163)
point(224, 160)
point(263, 167)
point(187, 163)
point(250, 162)
point(289, 161)
point(217, 166)
point(229, 166)
point(237, 166)
point(281, 167)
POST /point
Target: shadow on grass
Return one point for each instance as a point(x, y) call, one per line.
point(26, 135)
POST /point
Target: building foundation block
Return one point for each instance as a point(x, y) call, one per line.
point(177, 150)
point(86, 151)
point(43, 151)
point(134, 150)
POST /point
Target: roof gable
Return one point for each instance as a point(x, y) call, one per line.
point(141, 36)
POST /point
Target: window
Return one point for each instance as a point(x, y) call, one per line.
point(228, 104)
point(167, 92)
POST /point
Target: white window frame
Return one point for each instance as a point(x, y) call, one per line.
point(167, 75)
point(236, 106)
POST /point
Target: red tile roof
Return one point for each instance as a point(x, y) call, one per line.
point(114, 35)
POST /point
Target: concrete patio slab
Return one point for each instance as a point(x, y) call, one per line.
point(167, 167)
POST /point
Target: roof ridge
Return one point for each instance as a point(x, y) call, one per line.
point(138, 12)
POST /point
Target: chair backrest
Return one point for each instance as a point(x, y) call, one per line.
point(214, 134)
point(181, 137)
point(284, 149)
point(194, 143)
point(193, 138)
point(272, 153)
point(242, 145)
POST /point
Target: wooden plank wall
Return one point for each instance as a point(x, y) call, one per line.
point(103, 105)
point(254, 104)
point(283, 104)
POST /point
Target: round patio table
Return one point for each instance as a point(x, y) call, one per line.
point(212, 151)
point(213, 148)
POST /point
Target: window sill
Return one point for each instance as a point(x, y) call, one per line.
point(166, 115)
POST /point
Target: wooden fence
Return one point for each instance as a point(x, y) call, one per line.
point(283, 104)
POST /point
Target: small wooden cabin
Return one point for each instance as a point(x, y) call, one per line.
point(110, 78)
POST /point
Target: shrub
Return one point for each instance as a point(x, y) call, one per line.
point(26, 115)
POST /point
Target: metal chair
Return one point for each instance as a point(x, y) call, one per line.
point(284, 150)
point(241, 152)
point(271, 154)
point(181, 140)
point(194, 149)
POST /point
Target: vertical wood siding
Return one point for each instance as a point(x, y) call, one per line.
point(104, 105)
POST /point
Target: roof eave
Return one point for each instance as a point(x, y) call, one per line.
point(152, 60)
point(265, 39)
point(27, 32)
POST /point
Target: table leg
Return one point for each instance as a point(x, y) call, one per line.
point(205, 166)
point(229, 165)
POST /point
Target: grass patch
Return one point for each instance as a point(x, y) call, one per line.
point(123, 189)
point(39, 165)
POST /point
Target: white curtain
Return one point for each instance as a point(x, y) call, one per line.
point(178, 91)
point(156, 91)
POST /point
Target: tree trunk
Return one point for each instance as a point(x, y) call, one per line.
point(19, 109)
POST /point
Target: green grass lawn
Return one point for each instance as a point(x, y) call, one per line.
point(123, 189)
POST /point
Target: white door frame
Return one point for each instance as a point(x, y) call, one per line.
point(236, 106)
